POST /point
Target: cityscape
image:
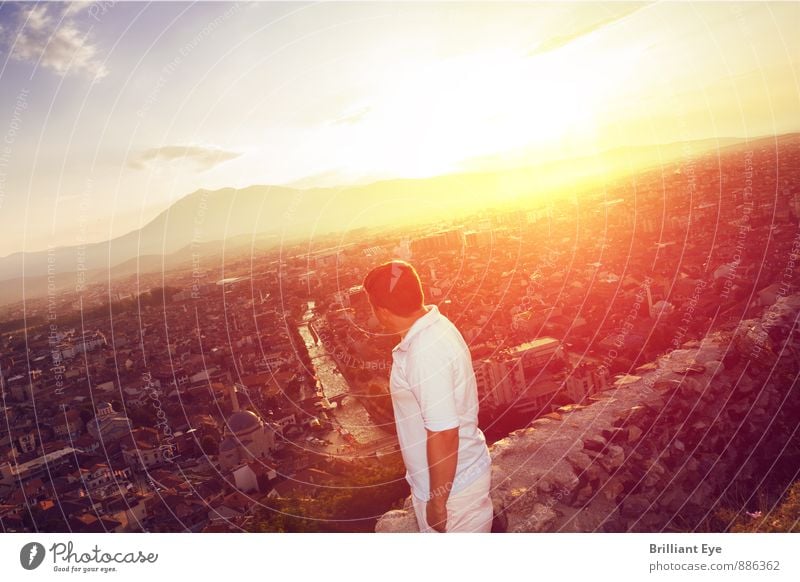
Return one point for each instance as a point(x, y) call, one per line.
point(204, 398)
point(602, 197)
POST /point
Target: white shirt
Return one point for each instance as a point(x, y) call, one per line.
point(433, 386)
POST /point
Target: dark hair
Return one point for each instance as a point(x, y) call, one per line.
point(395, 285)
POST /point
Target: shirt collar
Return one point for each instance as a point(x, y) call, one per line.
point(421, 323)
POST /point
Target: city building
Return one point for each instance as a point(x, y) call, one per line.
point(109, 426)
point(247, 437)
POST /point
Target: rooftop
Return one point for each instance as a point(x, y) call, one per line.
point(533, 344)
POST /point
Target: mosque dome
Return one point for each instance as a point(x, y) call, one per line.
point(243, 422)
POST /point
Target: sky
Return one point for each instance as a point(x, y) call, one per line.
point(111, 111)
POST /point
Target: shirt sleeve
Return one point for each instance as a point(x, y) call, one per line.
point(432, 381)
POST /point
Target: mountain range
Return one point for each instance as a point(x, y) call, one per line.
point(203, 221)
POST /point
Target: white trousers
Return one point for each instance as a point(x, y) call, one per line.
point(469, 510)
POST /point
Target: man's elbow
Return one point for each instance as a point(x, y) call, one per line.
point(448, 434)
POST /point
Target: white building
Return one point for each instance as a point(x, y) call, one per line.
point(246, 476)
point(586, 379)
point(108, 426)
point(500, 382)
point(537, 354)
point(88, 342)
point(247, 437)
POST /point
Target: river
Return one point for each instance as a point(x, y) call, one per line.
point(350, 415)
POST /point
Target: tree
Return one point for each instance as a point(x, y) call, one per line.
point(287, 516)
point(142, 416)
point(366, 490)
point(209, 445)
point(86, 415)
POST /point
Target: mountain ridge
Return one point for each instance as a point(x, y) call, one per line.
point(287, 214)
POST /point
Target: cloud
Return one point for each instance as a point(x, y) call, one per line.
point(557, 42)
point(204, 158)
point(50, 36)
point(352, 117)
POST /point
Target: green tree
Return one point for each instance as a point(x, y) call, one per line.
point(142, 415)
point(365, 490)
point(209, 445)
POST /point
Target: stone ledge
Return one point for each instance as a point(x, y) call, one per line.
point(647, 447)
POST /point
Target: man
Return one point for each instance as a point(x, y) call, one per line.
point(435, 401)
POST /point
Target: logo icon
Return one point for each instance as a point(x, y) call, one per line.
point(31, 555)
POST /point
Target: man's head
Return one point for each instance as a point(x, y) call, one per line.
point(395, 294)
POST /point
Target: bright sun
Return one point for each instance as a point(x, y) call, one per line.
point(435, 116)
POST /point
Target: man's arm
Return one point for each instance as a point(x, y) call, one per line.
point(431, 378)
point(442, 447)
point(442, 461)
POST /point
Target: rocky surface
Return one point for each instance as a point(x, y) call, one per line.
point(655, 448)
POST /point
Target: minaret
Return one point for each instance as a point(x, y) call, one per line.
point(234, 399)
point(649, 302)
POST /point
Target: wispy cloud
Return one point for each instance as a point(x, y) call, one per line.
point(556, 42)
point(50, 36)
point(353, 116)
point(204, 158)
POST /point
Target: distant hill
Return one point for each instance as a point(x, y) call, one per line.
point(290, 214)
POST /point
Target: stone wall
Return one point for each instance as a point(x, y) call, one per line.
point(653, 452)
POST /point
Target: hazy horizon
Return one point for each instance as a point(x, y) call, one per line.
point(114, 113)
point(298, 186)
